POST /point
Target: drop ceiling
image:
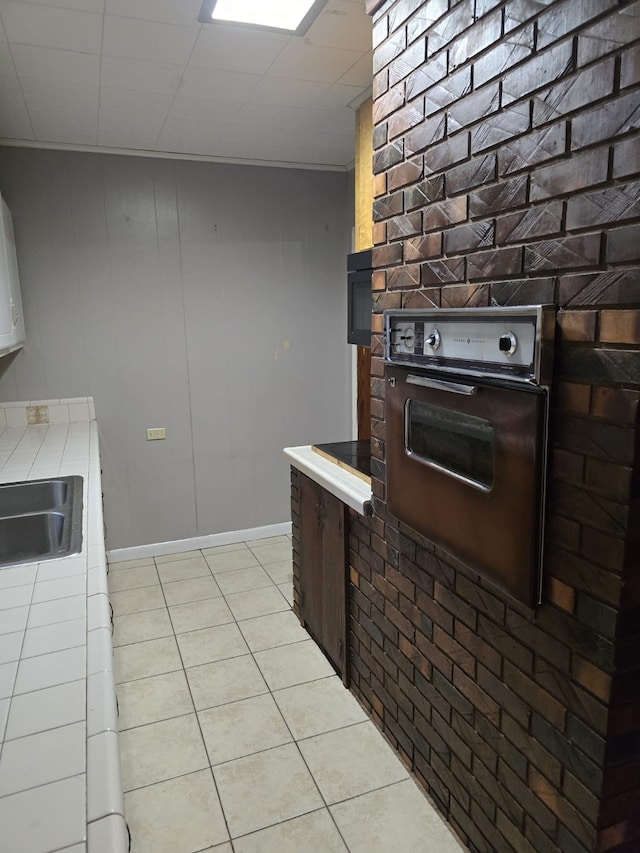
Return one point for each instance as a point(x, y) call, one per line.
point(143, 76)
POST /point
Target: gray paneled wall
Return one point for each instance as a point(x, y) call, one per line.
point(206, 298)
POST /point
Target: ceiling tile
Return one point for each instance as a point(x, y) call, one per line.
point(182, 12)
point(306, 61)
point(96, 6)
point(148, 41)
point(338, 96)
point(142, 76)
point(206, 110)
point(192, 135)
point(360, 74)
point(342, 24)
point(14, 118)
point(69, 125)
point(63, 66)
point(236, 49)
point(118, 131)
point(43, 94)
point(134, 104)
point(51, 27)
point(283, 91)
point(297, 118)
point(217, 85)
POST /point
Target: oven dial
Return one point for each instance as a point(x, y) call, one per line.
point(508, 343)
point(433, 339)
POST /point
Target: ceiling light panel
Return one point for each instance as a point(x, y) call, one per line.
point(292, 16)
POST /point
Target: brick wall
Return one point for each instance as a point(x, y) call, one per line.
point(507, 171)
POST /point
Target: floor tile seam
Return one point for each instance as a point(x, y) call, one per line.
point(136, 642)
point(196, 601)
point(164, 779)
point(330, 731)
point(280, 822)
point(255, 752)
point(132, 588)
point(370, 791)
point(44, 785)
point(145, 677)
point(44, 731)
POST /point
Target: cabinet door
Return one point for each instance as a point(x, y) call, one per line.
point(310, 545)
point(334, 582)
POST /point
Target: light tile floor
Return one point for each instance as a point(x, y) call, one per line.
point(235, 732)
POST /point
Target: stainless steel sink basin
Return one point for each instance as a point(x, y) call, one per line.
point(40, 520)
point(32, 496)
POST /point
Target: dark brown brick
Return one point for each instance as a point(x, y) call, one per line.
point(495, 263)
point(603, 206)
point(507, 699)
point(573, 397)
point(498, 197)
point(427, 246)
point(525, 631)
point(584, 574)
point(615, 404)
point(609, 479)
point(622, 244)
point(572, 634)
point(404, 226)
point(387, 103)
point(496, 130)
point(630, 68)
point(534, 696)
point(447, 91)
point(538, 810)
point(446, 154)
point(443, 272)
point(476, 172)
point(388, 156)
point(480, 699)
point(459, 655)
point(485, 33)
point(574, 92)
point(404, 119)
point(430, 190)
point(427, 297)
point(384, 256)
point(537, 72)
point(465, 296)
point(568, 176)
point(535, 291)
point(598, 616)
point(450, 26)
point(380, 135)
point(405, 173)
point(613, 287)
point(425, 14)
point(512, 49)
point(436, 658)
point(626, 157)
point(482, 651)
point(569, 693)
point(543, 220)
point(389, 50)
point(569, 816)
point(577, 325)
point(445, 213)
point(427, 75)
point(607, 35)
point(430, 131)
point(567, 253)
point(387, 206)
point(413, 57)
point(566, 16)
point(534, 148)
point(464, 237)
point(605, 550)
point(613, 118)
point(568, 466)
point(469, 109)
point(405, 276)
point(593, 679)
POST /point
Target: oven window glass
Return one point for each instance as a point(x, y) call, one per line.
point(457, 442)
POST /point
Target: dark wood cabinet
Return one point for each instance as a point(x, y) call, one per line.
point(323, 571)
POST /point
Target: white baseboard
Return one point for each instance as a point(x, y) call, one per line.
point(160, 549)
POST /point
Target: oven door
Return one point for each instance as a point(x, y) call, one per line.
point(466, 468)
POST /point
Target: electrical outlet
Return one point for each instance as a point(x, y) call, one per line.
point(156, 433)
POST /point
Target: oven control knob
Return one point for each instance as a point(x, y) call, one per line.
point(433, 339)
point(508, 343)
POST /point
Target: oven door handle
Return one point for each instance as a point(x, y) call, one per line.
point(441, 385)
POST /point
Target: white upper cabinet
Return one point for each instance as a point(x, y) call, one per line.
point(11, 317)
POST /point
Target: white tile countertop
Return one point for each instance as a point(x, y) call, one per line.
point(60, 784)
point(348, 488)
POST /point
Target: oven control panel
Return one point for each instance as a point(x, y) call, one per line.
point(491, 341)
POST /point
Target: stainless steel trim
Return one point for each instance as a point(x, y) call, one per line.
point(441, 385)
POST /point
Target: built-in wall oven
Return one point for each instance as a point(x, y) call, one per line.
point(467, 409)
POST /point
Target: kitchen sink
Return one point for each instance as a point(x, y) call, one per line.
point(32, 496)
point(40, 520)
